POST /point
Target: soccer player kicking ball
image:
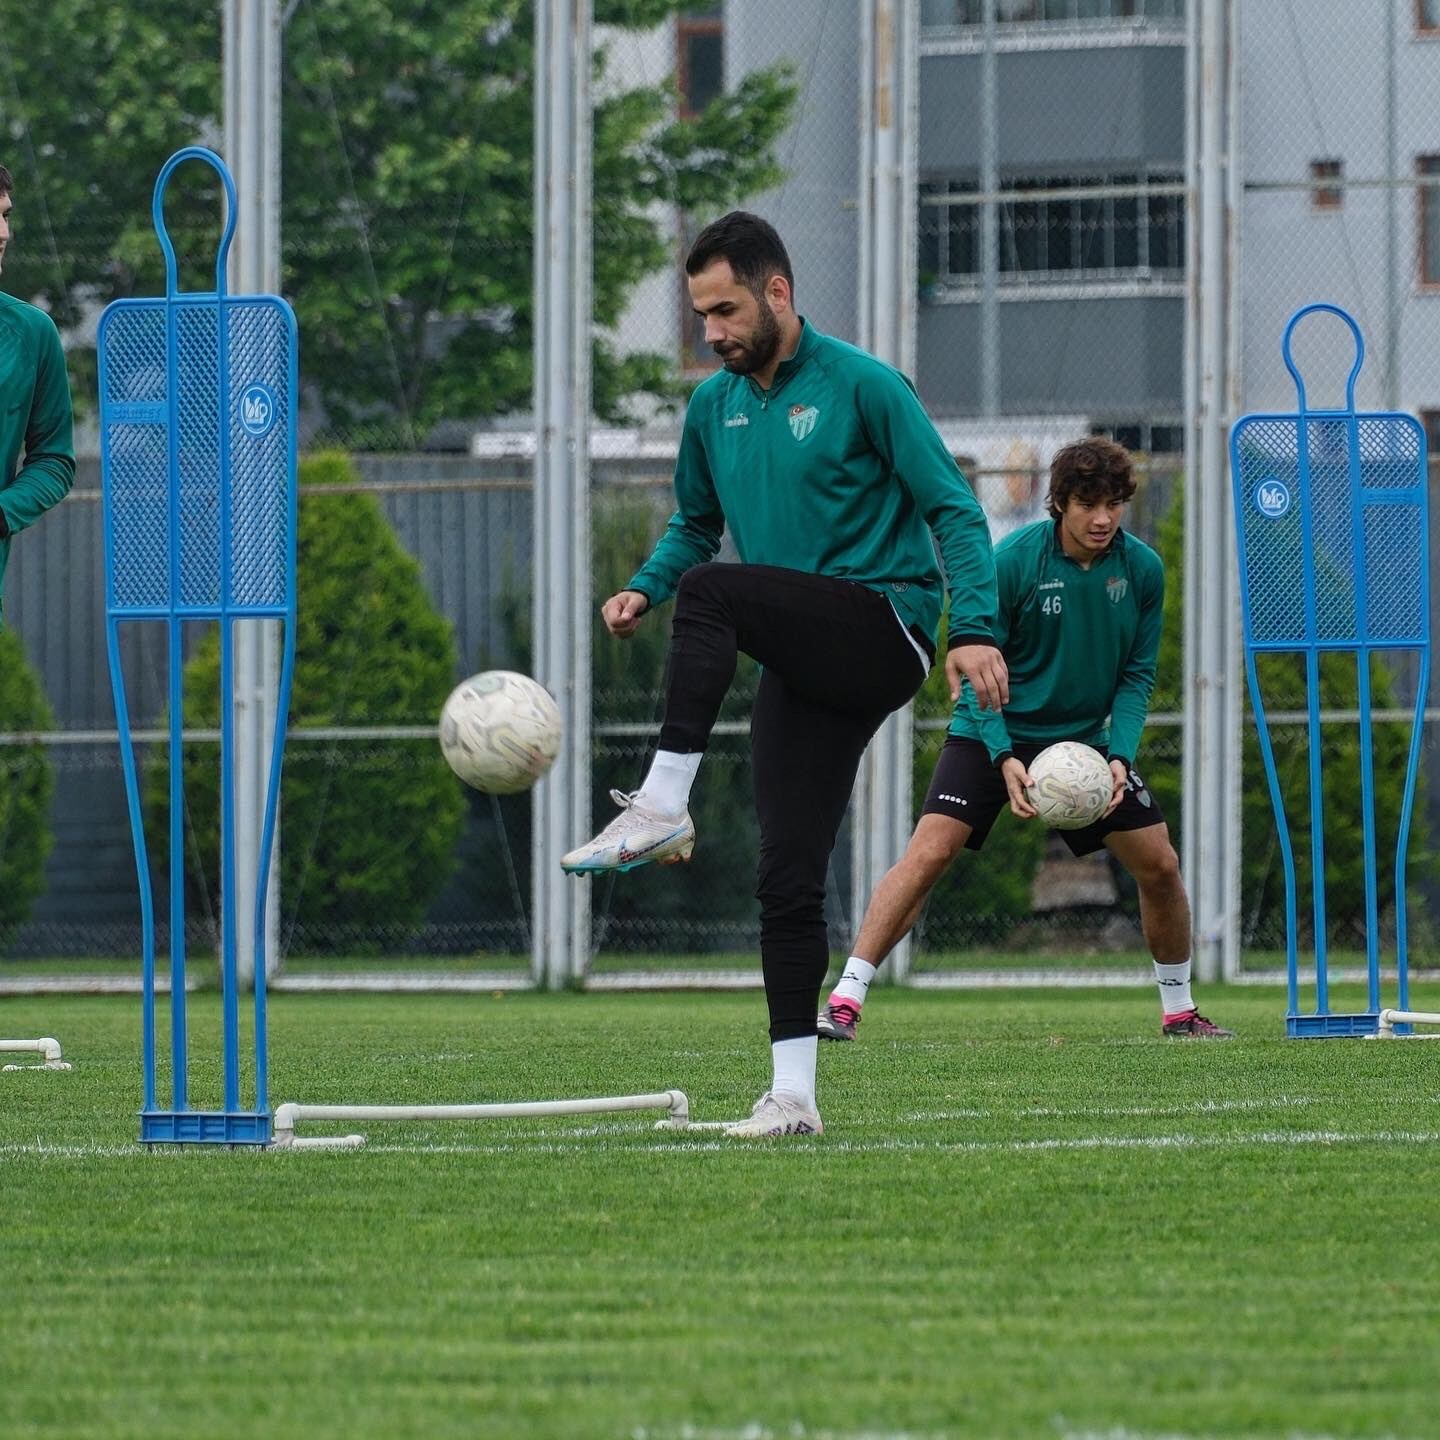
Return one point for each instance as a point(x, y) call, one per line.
point(1079, 624)
point(832, 481)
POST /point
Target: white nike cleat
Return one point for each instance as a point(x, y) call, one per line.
point(775, 1115)
point(636, 836)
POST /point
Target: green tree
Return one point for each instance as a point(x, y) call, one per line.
point(1282, 679)
point(368, 832)
point(26, 785)
point(407, 208)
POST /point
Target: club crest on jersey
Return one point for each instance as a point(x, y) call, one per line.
point(802, 420)
point(1115, 588)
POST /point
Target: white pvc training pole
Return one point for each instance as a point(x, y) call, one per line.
point(560, 904)
point(46, 1046)
point(889, 59)
point(1389, 1019)
point(290, 1115)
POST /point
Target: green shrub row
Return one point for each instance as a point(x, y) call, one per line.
point(27, 782)
point(368, 833)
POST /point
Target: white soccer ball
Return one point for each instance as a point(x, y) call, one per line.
point(1072, 785)
point(500, 731)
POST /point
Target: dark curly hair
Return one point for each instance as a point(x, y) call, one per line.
point(1094, 468)
point(751, 245)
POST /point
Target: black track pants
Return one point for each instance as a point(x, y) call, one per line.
point(836, 662)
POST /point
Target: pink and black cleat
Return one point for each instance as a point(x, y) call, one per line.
point(1192, 1025)
point(837, 1021)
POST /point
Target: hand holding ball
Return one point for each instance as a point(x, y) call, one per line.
point(1071, 785)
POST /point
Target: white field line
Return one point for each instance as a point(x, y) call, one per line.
point(1198, 1107)
point(798, 1431)
point(1288, 1139)
point(562, 1145)
point(1121, 1432)
point(756, 1431)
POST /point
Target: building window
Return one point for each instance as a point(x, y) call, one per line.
point(1164, 220)
point(1427, 16)
point(949, 234)
point(1430, 422)
point(700, 57)
point(966, 14)
point(1075, 228)
point(1428, 167)
point(1325, 196)
point(1145, 437)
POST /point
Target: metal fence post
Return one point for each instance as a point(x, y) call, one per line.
point(560, 920)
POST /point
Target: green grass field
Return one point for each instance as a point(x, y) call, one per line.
point(1029, 1216)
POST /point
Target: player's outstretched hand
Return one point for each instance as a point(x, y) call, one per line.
point(1017, 782)
point(1120, 778)
point(984, 667)
point(622, 613)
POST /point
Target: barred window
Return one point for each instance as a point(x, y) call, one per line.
point(1089, 234)
point(952, 14)
point(1326, 197)
point(1428, 167)
point(700, 57)
point(949, 234)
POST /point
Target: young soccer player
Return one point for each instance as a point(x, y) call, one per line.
point(34, 406)
point(1079, 624)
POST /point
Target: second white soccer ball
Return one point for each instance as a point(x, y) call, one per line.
point(1072, 785)
point(500, 731)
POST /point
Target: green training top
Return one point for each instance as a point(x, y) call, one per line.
point(1080, 644)
point(34, 417)
point(834, 470)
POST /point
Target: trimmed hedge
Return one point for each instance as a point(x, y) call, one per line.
point(27, 782)
point(368, 830)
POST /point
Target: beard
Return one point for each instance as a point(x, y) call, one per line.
point(757, 349)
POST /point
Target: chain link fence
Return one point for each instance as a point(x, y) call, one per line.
point(1337, 146)
point(1050, 146)
point(1051, 305)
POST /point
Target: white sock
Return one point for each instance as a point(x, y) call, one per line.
point(855, 981)
point(667, 786)
point(1174, 982)
point(795, 1067)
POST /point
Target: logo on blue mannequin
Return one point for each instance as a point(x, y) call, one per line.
point(257, 410)
point(1272, 498)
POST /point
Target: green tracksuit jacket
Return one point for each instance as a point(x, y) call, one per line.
point(1080, 644)
point(34, 418)
point(835, 470)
